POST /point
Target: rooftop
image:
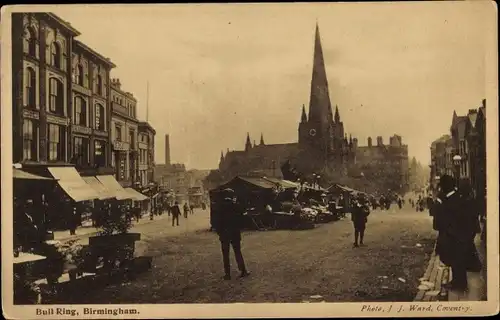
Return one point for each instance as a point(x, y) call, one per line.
point(63, 23)
point(95, 53)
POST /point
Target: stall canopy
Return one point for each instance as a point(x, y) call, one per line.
point(286, 184)
point(73, 184)
point(23, 175)
point(341, 188)
point(103, 192)
point(242, 184)
point(135, 195)
point(114, 187)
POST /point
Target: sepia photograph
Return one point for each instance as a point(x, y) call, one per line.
point(219, 160)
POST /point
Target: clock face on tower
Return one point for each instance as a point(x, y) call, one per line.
point(312, 132)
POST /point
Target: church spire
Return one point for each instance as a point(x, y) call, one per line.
point(248, 144)
point(319, 102)
point(330, 114)
point(337, 115)
point(261, 139)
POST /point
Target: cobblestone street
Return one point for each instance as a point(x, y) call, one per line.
point(286, 266)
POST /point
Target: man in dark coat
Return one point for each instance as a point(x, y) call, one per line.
point(227, 224)
point(176, 212)
point(453, 233)
point(470, 213)
point(359, 217)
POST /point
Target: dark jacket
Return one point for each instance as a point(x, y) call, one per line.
point(228, 220)
point(176, 211)
point(453, 226)
point(360, 213)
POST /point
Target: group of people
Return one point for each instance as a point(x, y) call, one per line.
point(456, 215)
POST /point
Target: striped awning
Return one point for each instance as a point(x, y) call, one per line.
point(114, 187)
point(23, 175)
point(73, 184)
point(95, 184)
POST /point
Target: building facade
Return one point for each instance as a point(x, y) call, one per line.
point(90, 125)
point(146, 153)
point(124, 135)
point(323, 145)
point(61, 112)
point(467, 139)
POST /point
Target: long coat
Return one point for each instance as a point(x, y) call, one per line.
point(453, 222)
point(229, 221)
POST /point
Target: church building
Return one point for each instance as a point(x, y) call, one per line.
point(323, 144)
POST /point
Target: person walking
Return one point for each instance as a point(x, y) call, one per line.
point(359, 217)
point(186, 210)
point(227, 223)
point(176, 212)
point(453, 233)
point(191, 208)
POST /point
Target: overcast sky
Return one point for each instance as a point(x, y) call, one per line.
point(217, 72)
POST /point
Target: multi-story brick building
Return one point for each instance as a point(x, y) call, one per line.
point(124, 125)
point(468, 140)
point(60, 103)
point(146, 153)
point(90, 126)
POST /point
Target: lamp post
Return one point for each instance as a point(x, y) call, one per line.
point(457, 160)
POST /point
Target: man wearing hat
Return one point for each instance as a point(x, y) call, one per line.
point(176, 212)
point(359, 217)
point(227, 223)
point(452, 241)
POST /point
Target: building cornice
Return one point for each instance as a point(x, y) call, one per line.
point(94, 53)
point(64, 24)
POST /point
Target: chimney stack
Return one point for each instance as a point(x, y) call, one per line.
point(380, 141)
point(167, 150)
point(369, 142)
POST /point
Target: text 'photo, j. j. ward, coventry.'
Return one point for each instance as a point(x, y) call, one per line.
point(252, 153)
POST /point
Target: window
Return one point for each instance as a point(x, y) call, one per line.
point(81, 151)
point(99, 117)
point(56, 142)
point(118, 131)
point(131, 139)
point(30, 140)
point(56, 96)
point(99, 84)
point(80, 117)
point(30, 42)
point(55, 55)
point(31, 87)
point(99, 153)
point(79, 74)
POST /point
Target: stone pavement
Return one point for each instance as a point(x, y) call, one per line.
point(437, 274)
point(160, 225)
point(87, 230)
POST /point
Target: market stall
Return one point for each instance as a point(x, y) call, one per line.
point(267, 203)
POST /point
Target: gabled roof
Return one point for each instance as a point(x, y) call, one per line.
point(472, 119)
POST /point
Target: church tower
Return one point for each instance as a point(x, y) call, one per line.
point(315, 130)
